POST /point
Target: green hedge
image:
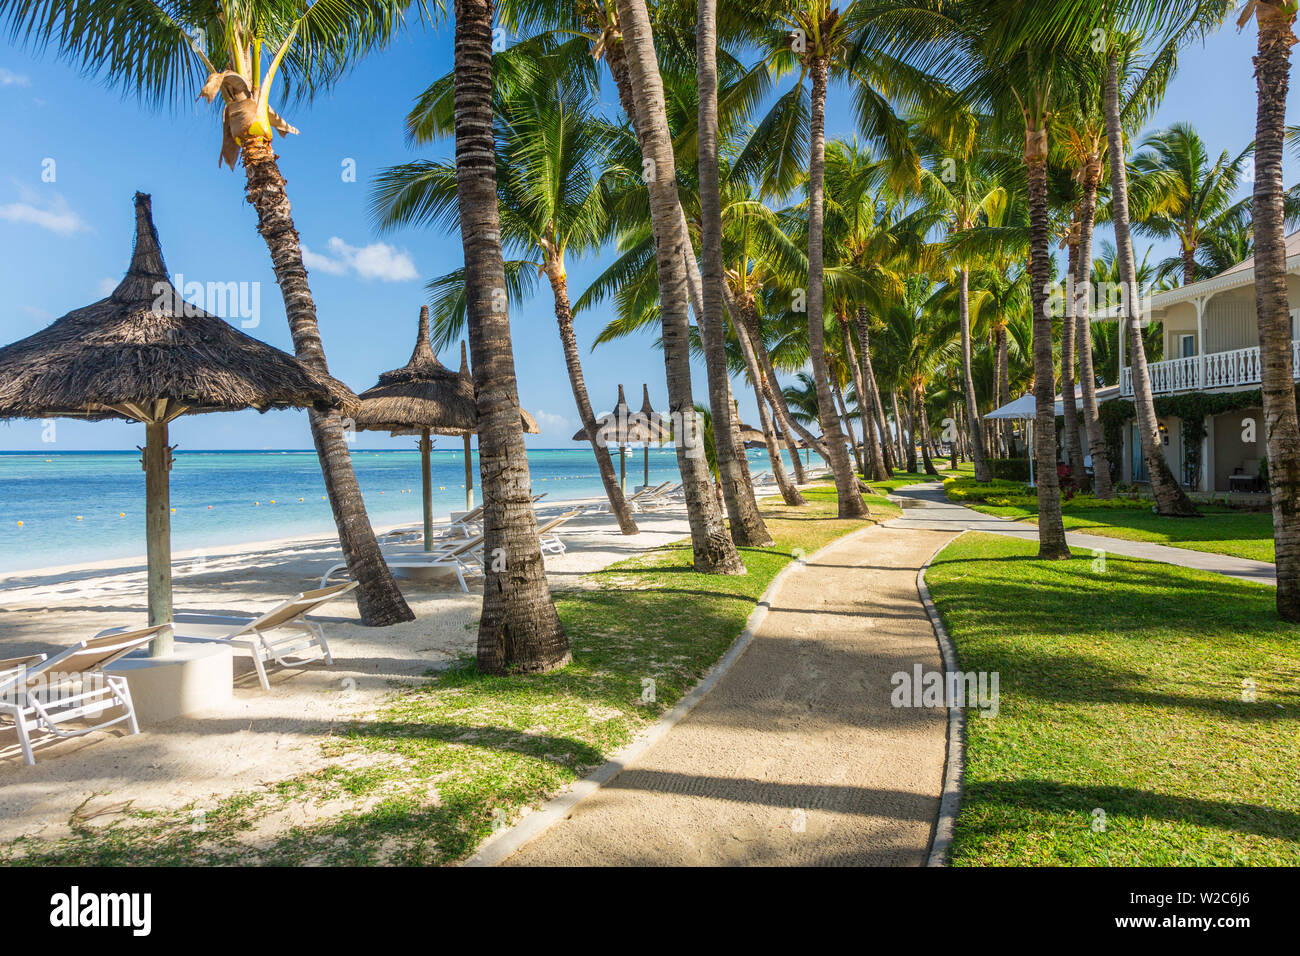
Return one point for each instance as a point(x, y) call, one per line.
point(1010, 469)
point(1014, 494)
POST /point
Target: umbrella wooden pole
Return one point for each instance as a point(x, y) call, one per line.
point(426, 482)
point(158, 532)
point(469, 477)
point(645, 457)
point(622, 469)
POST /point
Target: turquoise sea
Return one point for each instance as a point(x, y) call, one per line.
point(76, 507)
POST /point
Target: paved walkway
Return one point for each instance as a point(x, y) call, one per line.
point(926, 508)
point(796, 756)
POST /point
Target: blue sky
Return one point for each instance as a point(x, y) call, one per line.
point(64, 244)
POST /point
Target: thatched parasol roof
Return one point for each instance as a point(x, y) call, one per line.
point(622, 426)
point(424, 393)
point(752, 437)
point(144, 350)
point(656, 430)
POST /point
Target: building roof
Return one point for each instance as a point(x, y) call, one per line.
point(1239, 276)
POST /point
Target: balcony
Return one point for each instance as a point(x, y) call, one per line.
point(1237, 369)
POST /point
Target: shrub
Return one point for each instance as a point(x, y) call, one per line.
point(1010, 469)
point(968, 489)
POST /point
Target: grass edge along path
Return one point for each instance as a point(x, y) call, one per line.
point(443, 764)
point(1219, 530)
point(1148, 714)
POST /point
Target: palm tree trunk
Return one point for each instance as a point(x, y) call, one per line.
point(850, 500)
point(1102, 486)
point(911, 429)
point(982, 472)
point(908, 461)
point(782, 408)
point(1051, 528)
point(1004, 387)
point(379, 600)
point(519, 630)
point(1273, 76)
point(872, 454)
point(789, 493)
point(1169, 495)
point(747, 527)
point(926, 458)
point(572, 360)
point(838, 394)
point(714, 551)
point(1070, 409)
point(1189, 265)
point(791, 443)
point(869, 375)
point(954, 450)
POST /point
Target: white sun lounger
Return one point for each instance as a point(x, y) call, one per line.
point(463, 527)
point(662, 497)
point(283, 634)
point(466, 526)
point(464, 557)
point(40, 695)
point(550, 541)
point(639, 500)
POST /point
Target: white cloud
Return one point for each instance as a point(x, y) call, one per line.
point(376, 261)
point(10, 78)
point(105, 287)
point(53, 213)
point(38, 313)
point(552, 422)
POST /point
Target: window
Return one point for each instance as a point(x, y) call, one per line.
point(1187, 343)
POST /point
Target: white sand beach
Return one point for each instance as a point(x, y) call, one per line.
point(265, 737)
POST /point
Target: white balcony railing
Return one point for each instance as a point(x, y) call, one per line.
point(1222, 370)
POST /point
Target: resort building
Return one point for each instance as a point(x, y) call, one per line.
point(1206, 389)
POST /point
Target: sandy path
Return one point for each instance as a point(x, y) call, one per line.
point(796, 756)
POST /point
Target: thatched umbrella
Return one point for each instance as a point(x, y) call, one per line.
point(752, 437)
point(426, 398)
point(651, 429)
point(623, 427)
point(143, 354)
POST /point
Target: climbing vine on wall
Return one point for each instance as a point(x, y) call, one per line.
point(1193, 408)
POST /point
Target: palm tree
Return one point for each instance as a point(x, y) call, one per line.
point(819, 35)
point(519, 630)
point(1229, 242)
point(1170, 498)
point(970, 197)
point(1276, 22)
point(165, 51)
point(1014, 76)
point(747, 527)
point(1083, 151)
point(1196, 193)
point(713, 549)
point(548, 162)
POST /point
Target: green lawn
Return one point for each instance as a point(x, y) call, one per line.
point(1242, 534)
point(432, 773)
point(1125, 692)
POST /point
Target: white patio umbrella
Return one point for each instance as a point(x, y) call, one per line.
point(1023, 409)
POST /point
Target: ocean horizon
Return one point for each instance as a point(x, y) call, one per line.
point(74, 507)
